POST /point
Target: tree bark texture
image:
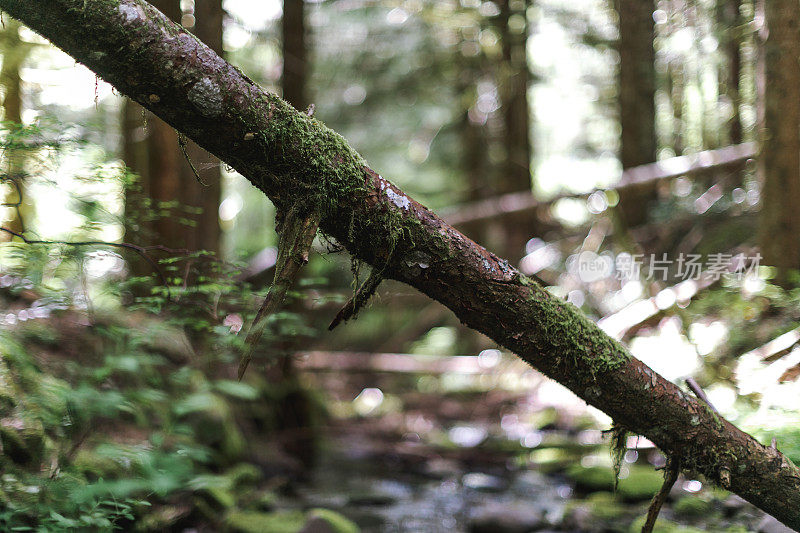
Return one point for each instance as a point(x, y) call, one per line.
point(780, 151)
point(297, 161)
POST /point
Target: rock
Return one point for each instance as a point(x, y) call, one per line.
point(439, 468)
point(23, 443)
point(771, 525)
point(692, 506)
point(580, 518)
point(327, 521)
point(484, 482)
point(662, 525)
point(641, 484)
point(95, 466)
point(255, 522)
point(591, 478)
point(371, 499)
point(505, 517)
point(316, 524)
point(601, 511)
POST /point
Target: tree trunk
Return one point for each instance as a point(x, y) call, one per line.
point(637, 106)
point(780, 152)
point(14, 51)
point(206, 196)
point(730, 22)
point(189, 220)
point(297, 161)
point(513, 81)
point(295, 62)
point(472, 135)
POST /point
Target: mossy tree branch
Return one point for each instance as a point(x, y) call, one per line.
point(295, 160)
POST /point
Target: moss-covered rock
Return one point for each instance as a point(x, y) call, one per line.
point(605, 506)
point(212, 417)
point(591, 478)
point(255, 522)
point(94, 466)
point(23, 443)
point(662, 525)
point(336, 522)
point(692, 506)
point(638, 484)
point(642, 483)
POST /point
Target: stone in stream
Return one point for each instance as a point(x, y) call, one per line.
point(484, 482)
point(505, 517)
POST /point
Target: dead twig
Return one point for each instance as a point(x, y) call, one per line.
point(294, 244)
point(700, 393)
point(670, 477)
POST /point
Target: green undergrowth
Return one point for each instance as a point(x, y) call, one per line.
point(124, 417)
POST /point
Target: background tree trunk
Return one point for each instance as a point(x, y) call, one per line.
point(188, 209)
point(513, 80)
point(637, 107)
point(730, 24)
point(14, 52)
point(779, 232)
point(206, 196)
point(294, 75)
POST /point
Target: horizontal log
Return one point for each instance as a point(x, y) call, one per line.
point(674, 167)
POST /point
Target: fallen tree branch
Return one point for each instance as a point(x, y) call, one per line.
point(671, 471)
point(684, 165)
point(296, 236)
point(291, 156)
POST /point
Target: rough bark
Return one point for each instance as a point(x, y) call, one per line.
point(296, 160)
point(637, 107)
point(780, 161)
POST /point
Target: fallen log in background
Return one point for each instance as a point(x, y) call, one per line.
point(295, 160)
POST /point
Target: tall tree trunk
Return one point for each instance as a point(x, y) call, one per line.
point(730, 22)
point(780, 152)
point(298, 162)
point(205, 194)
point(15, 52)
point(513, 81)
point(295, 63)
point(637, 107)
point(189, 219)
point(472, 135)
